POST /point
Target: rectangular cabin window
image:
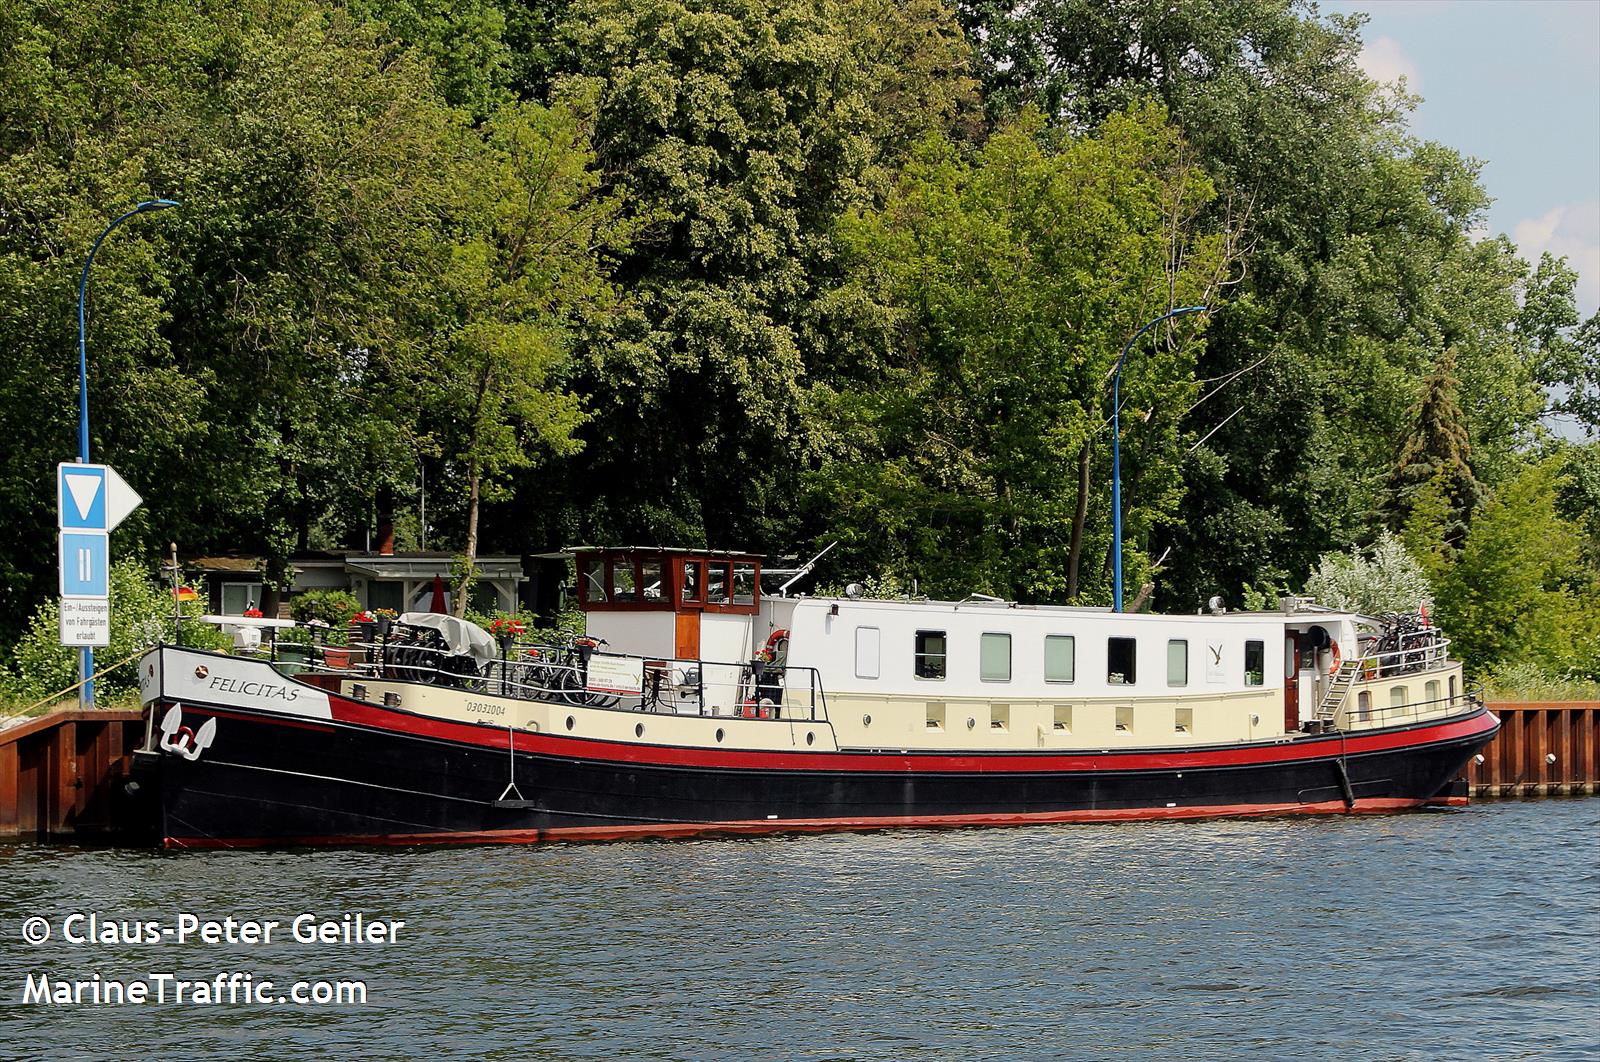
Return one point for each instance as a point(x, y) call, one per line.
point(591, 580)
point(691, 582)
point(624, 580)
point(744, 584)
point(1397, 696)
point(1255, 663)
point(1177, 662)
point(1000, 717)
point(1062, 717)
point(717, 584)
point(1183, 721)
point(1125, 720)
point(1060, 657)
point(868, 640)
point(1430, 692)
point(994, 657)
point(650, 581)
point(1122, 661)
point(929, 659)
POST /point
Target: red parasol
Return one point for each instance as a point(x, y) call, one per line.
point(438, 604)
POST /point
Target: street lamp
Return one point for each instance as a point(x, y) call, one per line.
point(1116, 451)
point(86, 655)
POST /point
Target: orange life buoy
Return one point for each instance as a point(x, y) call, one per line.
point(1333, 668)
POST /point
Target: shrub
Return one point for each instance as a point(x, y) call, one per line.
point(333, 607)
point(1390, 580)
point(141, 617)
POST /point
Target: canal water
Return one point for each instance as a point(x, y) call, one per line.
point(1451, 934)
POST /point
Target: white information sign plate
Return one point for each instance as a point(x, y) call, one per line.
point(616, 674)
point(85, 621)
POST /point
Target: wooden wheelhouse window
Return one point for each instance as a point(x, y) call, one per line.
point(650, 584)
point(744, 584)
point(591, 580)
point(624, 580)
point(693, 584)
point(717, 583)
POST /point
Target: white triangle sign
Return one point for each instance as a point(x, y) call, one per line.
point(121, 499)
point(83, 489)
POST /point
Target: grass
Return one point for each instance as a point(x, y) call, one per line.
point(1525, 682)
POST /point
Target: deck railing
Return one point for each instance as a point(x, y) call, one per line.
point(565, 675)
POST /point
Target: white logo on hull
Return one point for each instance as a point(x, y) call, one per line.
point(179, 739)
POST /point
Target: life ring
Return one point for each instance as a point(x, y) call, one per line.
point(1333, 668)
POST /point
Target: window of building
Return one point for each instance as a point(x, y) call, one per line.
point(236, 597)
point(994, 657)
point(868, 640)
point(929, 661)
point(691, 581)
point(1177, 662)
point(624, 580)
point(1255, 663)
point(383, 593)
point(650, 580)
point(1060, 657)
point(744, 584)
point(1122, 661)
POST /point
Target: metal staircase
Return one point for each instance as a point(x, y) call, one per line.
point(1338, 691)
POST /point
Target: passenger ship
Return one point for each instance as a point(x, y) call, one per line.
point(700, 704)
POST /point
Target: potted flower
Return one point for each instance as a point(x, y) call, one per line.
point(292, 650)
point(366, 624)
point(385, 617)
point(505, 631)
point(252, 613)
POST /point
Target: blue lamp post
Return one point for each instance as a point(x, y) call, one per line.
point(1116, 451)
point(86, 657)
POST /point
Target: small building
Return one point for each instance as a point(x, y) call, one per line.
point(402, 581)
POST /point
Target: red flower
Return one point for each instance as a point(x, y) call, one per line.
point(252, 613)
point(362, 617)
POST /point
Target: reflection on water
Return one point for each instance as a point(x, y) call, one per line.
point(1425, 936)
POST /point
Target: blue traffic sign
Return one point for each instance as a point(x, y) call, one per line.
point(81, 494)
point(85, 557)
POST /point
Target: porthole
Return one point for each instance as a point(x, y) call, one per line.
point(571, 722)
point(638, 730)
point(971, 722)
point(811, 738)
point(720, 733)
point(866, 720)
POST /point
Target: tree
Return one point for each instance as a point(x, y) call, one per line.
point(534, 224)
point(1008, 286)
point(1435, 459)
point(1388, 579)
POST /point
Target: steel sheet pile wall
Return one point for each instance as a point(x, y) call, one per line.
point(58, 772)
point(1543, 749)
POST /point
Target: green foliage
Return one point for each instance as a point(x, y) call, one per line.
point(1001, 322)
point(1517, 593)
point(334, 607)
point(1388, 579)
point(141, 617)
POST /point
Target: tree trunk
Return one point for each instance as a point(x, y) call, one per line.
point(1078, 518)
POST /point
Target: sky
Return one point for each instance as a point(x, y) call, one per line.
point(1515, 84)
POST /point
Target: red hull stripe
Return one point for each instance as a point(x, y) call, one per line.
point(695, 829)
point(678, 756)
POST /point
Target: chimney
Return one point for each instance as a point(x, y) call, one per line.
point(386, 534)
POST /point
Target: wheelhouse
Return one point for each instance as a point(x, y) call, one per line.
point(685, 604)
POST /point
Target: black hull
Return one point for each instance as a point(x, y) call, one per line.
point(278, 781)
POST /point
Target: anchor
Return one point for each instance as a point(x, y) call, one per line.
point(179, 739)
